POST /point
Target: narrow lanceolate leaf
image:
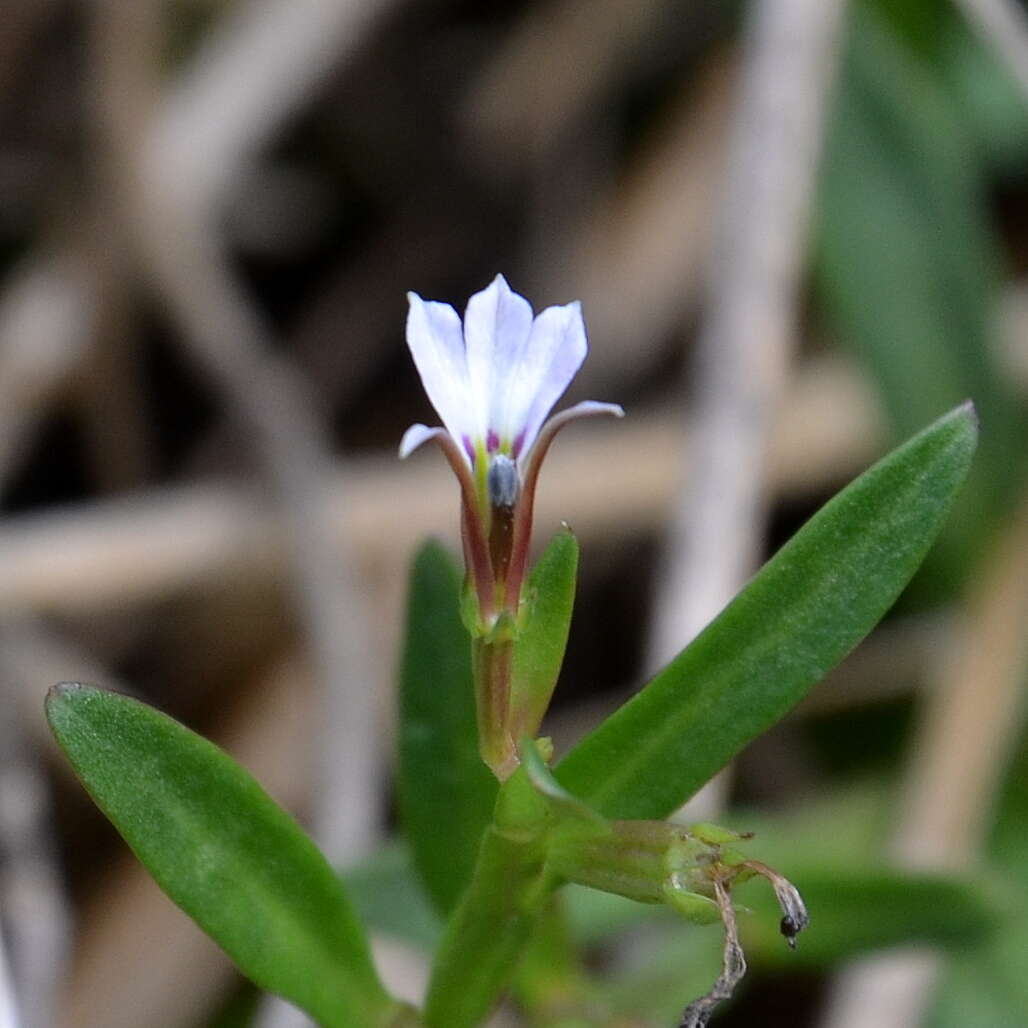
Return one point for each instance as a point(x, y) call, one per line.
point(446, 793)
point(800, 615)
point(225, 852)
point(549, 598)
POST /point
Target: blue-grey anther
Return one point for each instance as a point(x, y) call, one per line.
point(502, 481)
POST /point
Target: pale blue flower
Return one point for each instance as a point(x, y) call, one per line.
point(493, 381)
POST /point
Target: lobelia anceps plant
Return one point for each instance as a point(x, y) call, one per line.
point(492, 382)
point(493, 825)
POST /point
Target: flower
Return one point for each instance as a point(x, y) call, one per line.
point(493, 381)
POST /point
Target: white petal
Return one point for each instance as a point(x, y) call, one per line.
point(437, 346)
point(497, 323)
point(585, 409)
point(414, 437)
point(555, 351)
point(591, 409)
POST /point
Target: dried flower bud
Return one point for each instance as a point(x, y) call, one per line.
point(794, 911)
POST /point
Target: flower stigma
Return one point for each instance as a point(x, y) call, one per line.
point(502, 481)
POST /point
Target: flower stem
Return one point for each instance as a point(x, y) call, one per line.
point(492, 660)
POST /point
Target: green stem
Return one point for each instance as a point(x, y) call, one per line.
point(492, 662)
point(488, 931)
point(405, 1017)
point(551, 983)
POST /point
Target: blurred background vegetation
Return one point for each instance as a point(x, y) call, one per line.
point(799, 231)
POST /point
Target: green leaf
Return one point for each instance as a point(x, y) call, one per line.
point(852, 913)
point(800, 615)
point(856, 910)
point(225, 852)
point(569, 808)
point(907, 264)
point(989, 97)
point(446, 793)
point(905, 258)
point(831, 850)
point(387, 894)
point(543, 637)
point(239, 1010)
point(988, 985)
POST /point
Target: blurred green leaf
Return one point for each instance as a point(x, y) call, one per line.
point(919, 23)
point(387, 893)
point(806, 608)
point(446, 793)
point(905, 258)
point(991, 102)
point(988, 985)
point(239, 1010)
point(671, 968)
point(906, 261)
point(855, 910)
point(830, 849)
point(843, 827)
point(543, 638)
point(551, 983)
point(225, 852)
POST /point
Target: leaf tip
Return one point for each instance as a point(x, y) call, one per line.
point(966, 411)
point(967, 414)
point(61, 691)
point(960, 426)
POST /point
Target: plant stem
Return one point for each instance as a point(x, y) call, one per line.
point(489, 929)
point(493, 660)
point(551, 984)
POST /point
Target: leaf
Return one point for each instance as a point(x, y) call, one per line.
point(543, 638)
point(904, 255)
point(569, 809)
point(853, 913)
point(989, 97)
point(225, 852)
point(798, 617)
point(906, 262)
point(387, 893)
point(830, 849)
point(446, 793)
point(239, 1010)
point(988, 985)
point(856, 910)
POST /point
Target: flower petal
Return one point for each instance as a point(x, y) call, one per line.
point(497, 323)
point(533, 457)
point(554, 353)
point(437, 346)
point(531, 463)
point(416, 436)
